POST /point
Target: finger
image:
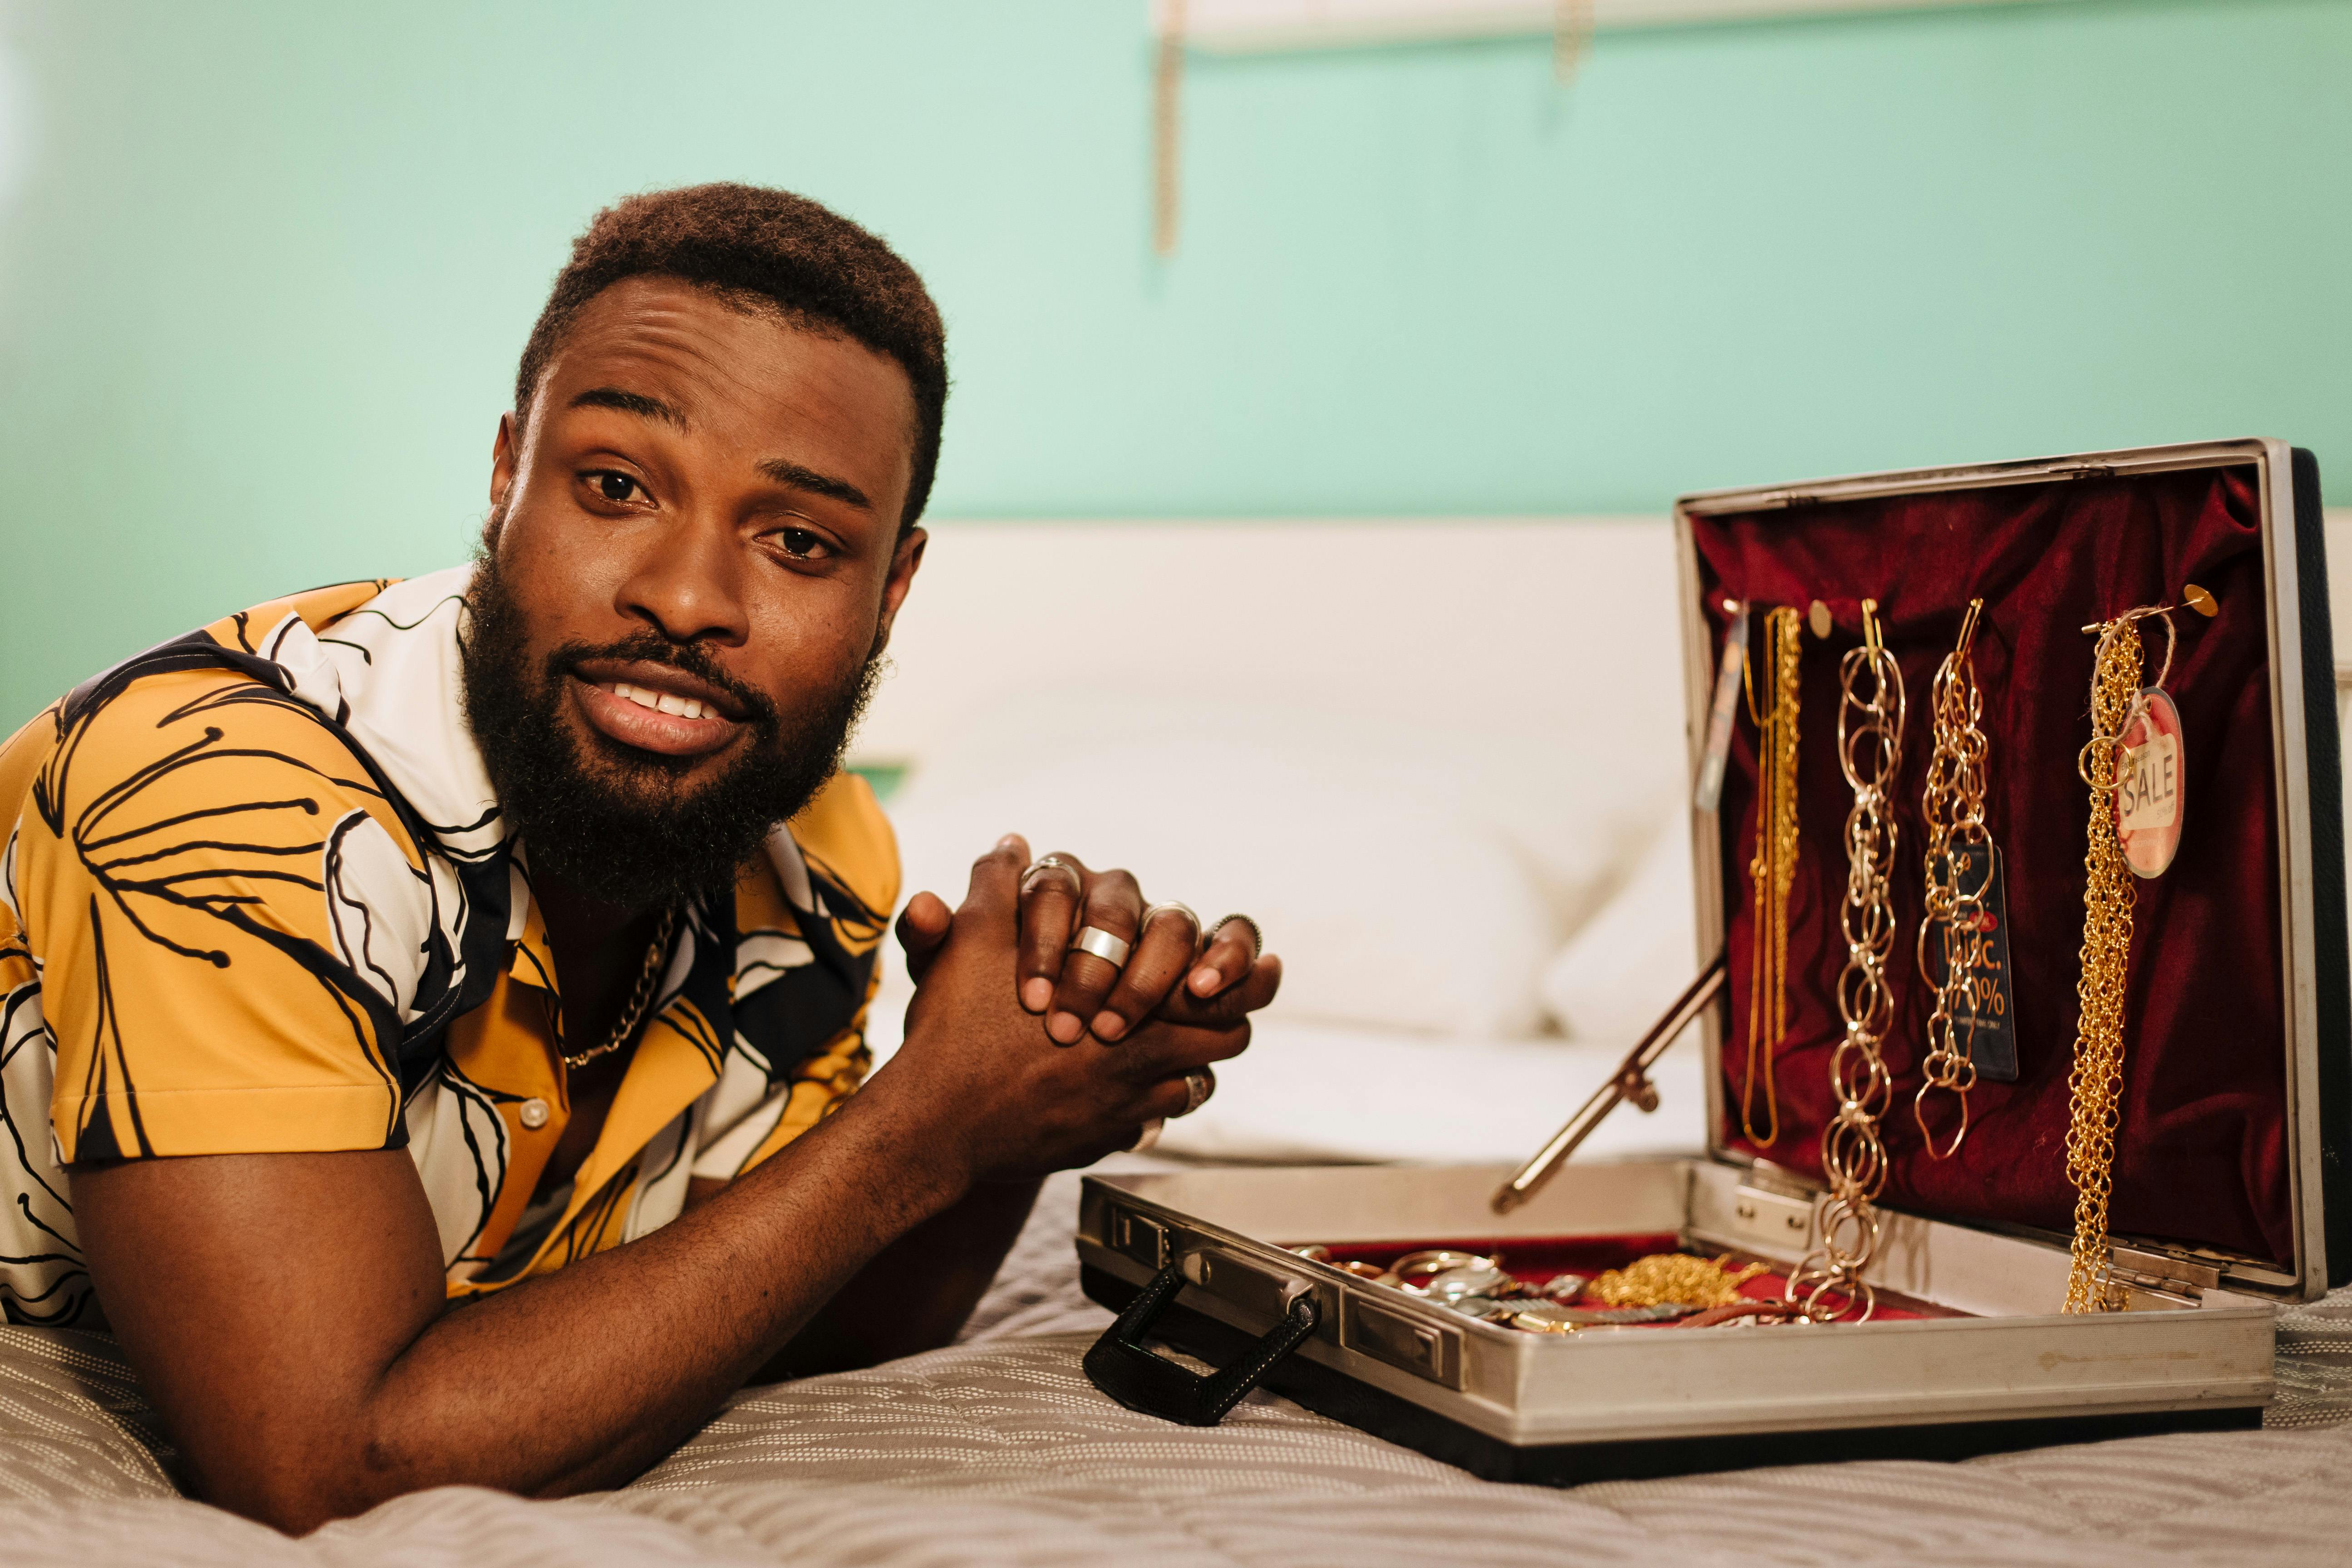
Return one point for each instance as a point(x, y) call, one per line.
point(996, 879)
point(1231, 953)
point(1114, 904)
point(1162, 954)
point(1255, 990)
point(1049, 913)
point(1158, 1050)
point(923, 927)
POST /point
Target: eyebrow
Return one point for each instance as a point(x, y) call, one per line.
point(636, 402)
point(781, 469)
point(786, 472)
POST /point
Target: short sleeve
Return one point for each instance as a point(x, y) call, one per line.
point(228, 917)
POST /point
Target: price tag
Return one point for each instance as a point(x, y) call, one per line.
point(2149, 786)
point(1985, 1021)
point(1725, 710)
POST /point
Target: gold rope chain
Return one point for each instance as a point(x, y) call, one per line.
point(642, 996)
point(2095, 1085)
point(1953, 806)
point(1773, 870)
point(1870, 753)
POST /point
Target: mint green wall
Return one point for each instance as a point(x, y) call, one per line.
point(265, 267)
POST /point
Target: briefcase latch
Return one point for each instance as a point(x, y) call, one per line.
point(1775, 1222)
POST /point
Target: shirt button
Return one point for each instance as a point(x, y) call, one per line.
point(534, 1114)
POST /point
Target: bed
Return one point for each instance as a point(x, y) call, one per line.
point(1436, 760)
point(997, 1451)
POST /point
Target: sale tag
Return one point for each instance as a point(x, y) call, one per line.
point(1985, 1021)
point(2150, 779)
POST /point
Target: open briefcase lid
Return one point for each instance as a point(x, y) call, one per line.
point(2237, 1059)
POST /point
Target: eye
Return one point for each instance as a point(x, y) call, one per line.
point(614, 486)
point(803, 544)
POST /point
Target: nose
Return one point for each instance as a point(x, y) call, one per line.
point(688, 585)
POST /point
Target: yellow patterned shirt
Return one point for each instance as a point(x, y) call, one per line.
point(258, 896)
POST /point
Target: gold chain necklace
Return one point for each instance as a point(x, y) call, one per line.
point(1870, 754)
point(640, 998)
point(1773, 870)
point(1673, 1277)
point(2095, 1085)
point(1953, 805)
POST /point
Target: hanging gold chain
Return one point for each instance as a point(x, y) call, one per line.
point(2095, 1085)
point(1953, 805)
point(640, 998)
point(1870, 753)
point(1773, 869)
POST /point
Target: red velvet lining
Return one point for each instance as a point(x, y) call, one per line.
point(2201, 1153)
point(1539, 1260)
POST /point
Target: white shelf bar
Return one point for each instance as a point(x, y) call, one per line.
point(1260, 26)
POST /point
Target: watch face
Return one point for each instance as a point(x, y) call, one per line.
point(2150, 779)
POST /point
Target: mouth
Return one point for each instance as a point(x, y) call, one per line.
point(656, 708)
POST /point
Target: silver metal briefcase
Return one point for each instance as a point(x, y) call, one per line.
point(2237, 1107)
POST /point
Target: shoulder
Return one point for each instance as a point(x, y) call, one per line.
point(848, 841)
point(211, 740)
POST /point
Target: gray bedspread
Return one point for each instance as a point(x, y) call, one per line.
point(998, 1451)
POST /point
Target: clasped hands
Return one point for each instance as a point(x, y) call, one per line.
point(1001, 976)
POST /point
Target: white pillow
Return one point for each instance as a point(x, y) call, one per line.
point(1631, 959)
point(1389, 903)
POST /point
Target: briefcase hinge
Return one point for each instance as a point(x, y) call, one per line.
point(2158, 1272)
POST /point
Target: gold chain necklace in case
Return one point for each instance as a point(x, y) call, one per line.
point(1773, 870)
point(1953, 805)
point(1870, 753)
point(2096, 1086)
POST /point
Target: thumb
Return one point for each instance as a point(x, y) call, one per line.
point(923, 927)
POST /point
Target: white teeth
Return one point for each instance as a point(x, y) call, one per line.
point(662, 702)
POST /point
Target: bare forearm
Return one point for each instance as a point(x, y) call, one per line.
point(917, 1292)
point(349, 1385)
point(648, 1338)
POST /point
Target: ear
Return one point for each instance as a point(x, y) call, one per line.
point(505, 457)
point(904, 562)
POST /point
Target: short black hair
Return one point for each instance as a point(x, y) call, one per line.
point(811, 263)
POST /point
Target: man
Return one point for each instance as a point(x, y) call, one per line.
point(501, 940)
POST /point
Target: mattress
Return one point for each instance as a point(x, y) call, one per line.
point(997, 1450)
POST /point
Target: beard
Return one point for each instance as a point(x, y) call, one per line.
point(622, 824)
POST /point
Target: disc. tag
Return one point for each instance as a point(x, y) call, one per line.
point(1986, 1019)
point(2150, 779)
point(1725, 711)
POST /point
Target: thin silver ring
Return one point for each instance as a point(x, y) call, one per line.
point(1052, 863)
point(1198, 1087)
point(1103, 945)
point(1144, 925)
point(1257, 936)
point(1147, 1137)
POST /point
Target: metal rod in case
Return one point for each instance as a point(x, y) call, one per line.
point(1630, 1081)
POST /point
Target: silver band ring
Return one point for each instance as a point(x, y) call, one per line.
point(1103, 945)
point(1257, 937)
point(1046, 863)
point(1198, 1087)
point(1144, 925)
point(1147, 1137)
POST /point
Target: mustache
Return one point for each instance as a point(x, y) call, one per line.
point(651, 647)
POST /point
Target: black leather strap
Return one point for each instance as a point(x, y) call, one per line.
point(1122, 1367)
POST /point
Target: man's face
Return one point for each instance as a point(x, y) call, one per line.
point(694, 561)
